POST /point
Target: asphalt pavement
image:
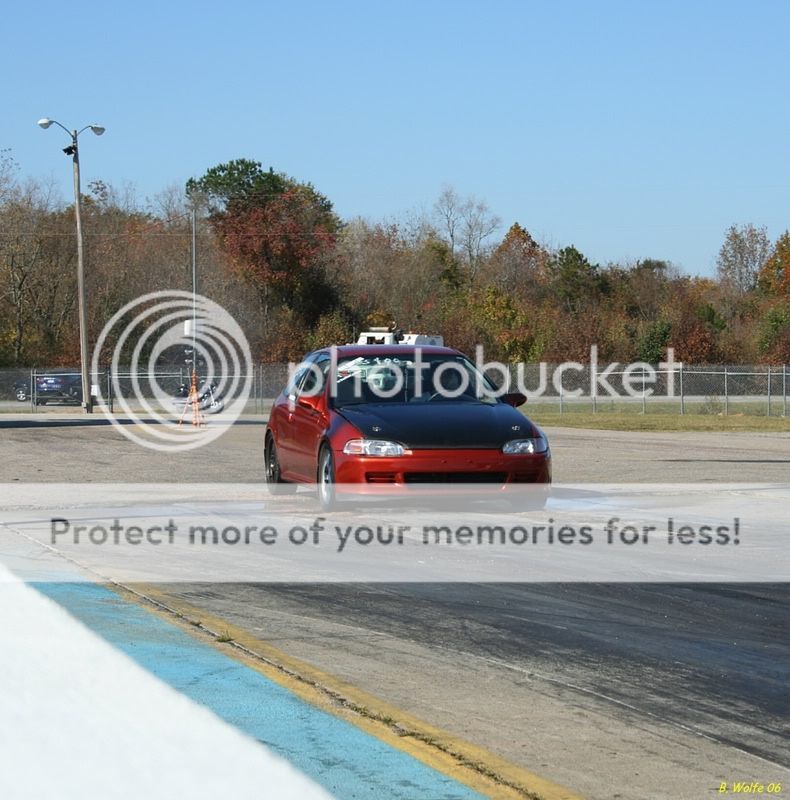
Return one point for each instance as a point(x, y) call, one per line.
point(632, 691)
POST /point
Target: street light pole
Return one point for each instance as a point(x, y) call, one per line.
point(194, 291)
point(87, 397)
point(73, 151)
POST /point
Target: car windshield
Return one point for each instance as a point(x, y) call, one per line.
point(416, 378)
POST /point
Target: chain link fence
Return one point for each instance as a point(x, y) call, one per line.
point(47, 389)
point(641, 388)
point(564, 388)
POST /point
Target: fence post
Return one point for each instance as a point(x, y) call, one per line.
point(560, 397)
point(682, 400)
point(594, 389)
point(784, 390)
point(726, 393)
point(109, 389)
point(769, 390)
point(32, 387)
point(644, 397)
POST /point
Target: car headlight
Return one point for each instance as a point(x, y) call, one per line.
point(373, 447)
point(520, 447)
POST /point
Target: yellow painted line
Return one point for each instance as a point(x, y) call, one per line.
point(463, 761)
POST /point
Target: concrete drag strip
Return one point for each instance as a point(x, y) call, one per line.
point(542, 701)
point(340, 749)
point(82, 720)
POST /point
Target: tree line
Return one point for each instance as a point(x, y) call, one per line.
point(273, 251)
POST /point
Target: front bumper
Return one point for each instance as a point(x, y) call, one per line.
point(440, 470)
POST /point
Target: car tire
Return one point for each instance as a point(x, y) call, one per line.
point(21, 395)
point(275, 482)
point(528, 505)
point(327, 498)
point(530, 501)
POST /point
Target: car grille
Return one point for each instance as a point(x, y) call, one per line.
point(454, 477)
point(380, 477)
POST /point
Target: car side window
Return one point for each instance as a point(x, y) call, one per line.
point(314, 378)
point(309, 378)
point(295, 380)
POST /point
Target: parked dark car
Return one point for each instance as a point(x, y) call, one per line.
point(65, 389)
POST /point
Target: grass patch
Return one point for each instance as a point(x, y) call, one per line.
point(635, 421)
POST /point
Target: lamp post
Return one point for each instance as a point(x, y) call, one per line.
point(73, 151)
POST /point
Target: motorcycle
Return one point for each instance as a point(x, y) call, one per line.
point(208, 399)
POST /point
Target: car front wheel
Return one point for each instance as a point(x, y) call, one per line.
point(326, 479)
point(533, 498)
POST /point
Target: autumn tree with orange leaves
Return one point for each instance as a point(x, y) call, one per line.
point(276, 231)
point(774, 277)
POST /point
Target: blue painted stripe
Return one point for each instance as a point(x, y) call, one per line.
point(345, 760)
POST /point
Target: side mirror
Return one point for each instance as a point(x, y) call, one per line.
point(514, 399)
point(310, 401)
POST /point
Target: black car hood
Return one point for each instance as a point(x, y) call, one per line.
point(440, 424)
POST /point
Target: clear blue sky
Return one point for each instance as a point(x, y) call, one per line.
point(628, 129)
